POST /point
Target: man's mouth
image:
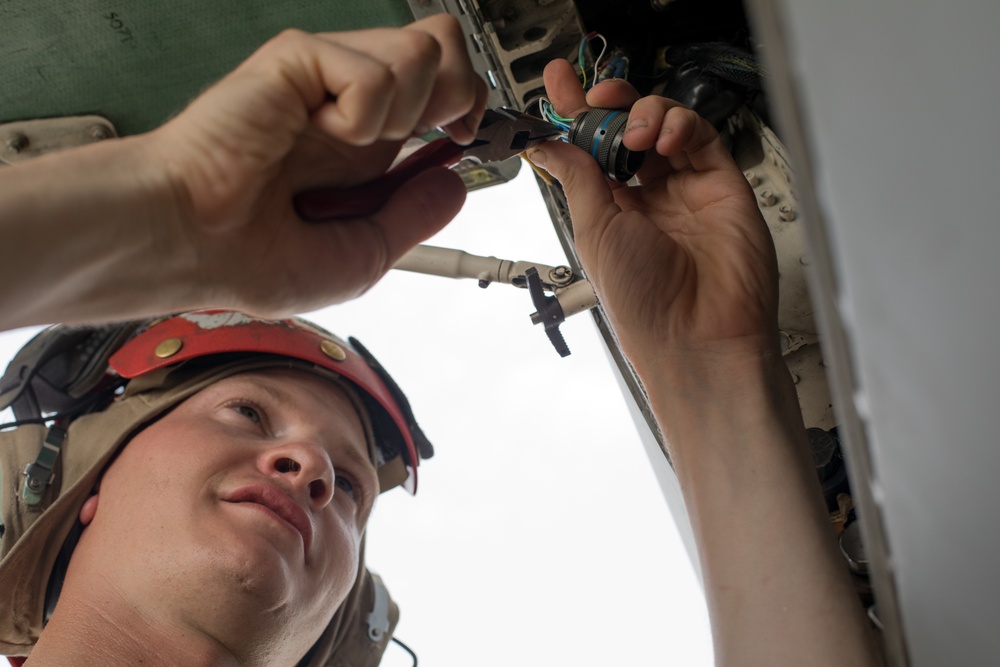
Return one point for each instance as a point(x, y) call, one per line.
point(279, 503)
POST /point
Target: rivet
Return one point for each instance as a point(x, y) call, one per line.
point(168, 348)
point(333, 350)
point(766, 198)
point(752, 178)
point(99, 132)
point(786, 213)
point(17, 142)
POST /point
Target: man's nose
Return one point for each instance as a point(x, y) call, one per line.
point(303, 465)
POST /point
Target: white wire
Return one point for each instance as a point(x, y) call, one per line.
point(601, 55)
point(548, 113)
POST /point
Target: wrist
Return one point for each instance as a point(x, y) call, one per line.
point(715, 369)
point(91, 242)
point(714, 405)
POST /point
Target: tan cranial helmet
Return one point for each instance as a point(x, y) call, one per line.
point(79, 395)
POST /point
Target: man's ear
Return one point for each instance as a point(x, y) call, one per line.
point(88, 510)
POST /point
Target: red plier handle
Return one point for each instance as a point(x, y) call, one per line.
point(354, 202)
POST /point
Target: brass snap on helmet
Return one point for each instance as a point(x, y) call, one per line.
point(80, 393)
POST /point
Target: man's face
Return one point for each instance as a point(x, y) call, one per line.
point(242, 508)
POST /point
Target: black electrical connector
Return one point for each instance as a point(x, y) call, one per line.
point(600, 133)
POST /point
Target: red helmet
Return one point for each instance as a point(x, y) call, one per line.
point(67, 372)
point(206, 333)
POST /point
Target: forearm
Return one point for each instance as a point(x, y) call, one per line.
point(84, 238)
point(778, 591)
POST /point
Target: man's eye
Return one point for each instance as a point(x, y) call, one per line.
point(249, 412)
point(345, 484)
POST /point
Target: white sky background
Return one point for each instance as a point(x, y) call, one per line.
point(539, 535)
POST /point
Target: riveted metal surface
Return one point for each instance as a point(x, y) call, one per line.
point(763, 159)
point(20, 140)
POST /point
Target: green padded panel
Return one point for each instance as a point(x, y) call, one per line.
point(138, 62)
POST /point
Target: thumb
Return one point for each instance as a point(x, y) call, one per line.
point(418, 209)
point(591, 200)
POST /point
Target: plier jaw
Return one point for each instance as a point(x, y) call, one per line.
point(503, 134)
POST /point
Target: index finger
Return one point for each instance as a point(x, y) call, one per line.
point(458, 97)
point(563, 88)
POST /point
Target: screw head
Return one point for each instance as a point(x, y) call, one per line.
point(560, 274)
point(17, 142)
point(99, 132)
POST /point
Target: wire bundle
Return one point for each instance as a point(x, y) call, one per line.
point(617, 67)
point(549, 114)
point(581, 58)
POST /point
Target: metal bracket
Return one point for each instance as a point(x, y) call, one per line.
point(38, 474)
point(571, 294)
point(23, 139)
point(510, 49)
point(378, 619)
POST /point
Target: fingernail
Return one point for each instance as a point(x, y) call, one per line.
point(537, 157)
point(421, 130)
point(636, 124)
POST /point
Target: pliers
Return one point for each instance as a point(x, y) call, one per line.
point(502, 134)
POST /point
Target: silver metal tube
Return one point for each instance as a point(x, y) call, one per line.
point(451, 263)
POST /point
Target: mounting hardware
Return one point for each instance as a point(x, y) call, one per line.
point(39, 473)
point(101, 132)
point(16, 142)
point(25, 139)
point(561, 275)
point(378, 618)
